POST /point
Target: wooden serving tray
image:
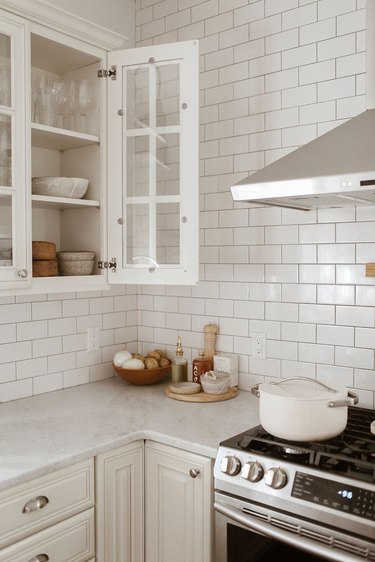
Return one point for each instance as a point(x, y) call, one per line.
point(202, 396)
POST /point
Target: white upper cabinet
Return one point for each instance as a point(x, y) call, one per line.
point(153, 164)
point(14, 262)
point(133, 135)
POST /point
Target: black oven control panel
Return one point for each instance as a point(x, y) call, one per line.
point(336, 495)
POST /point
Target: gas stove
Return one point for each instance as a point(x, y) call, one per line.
point(324, 491)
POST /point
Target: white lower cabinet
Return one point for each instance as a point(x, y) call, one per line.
point(119, 504)
point(50, 518)
point(178, 500)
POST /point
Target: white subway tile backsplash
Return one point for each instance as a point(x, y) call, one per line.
point(274, 75)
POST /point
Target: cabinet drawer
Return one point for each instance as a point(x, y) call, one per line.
point(72, 540)
point(34, 505)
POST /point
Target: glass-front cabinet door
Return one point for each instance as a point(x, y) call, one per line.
point(14, 268)
point(153, 164)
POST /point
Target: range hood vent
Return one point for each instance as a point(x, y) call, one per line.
point(337, 169)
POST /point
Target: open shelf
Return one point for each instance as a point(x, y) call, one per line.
point(53, 138)
point(62, 203)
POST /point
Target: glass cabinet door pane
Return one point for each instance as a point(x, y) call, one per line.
point(5, 151)
point(168, 164)
point(137, 166)
point(6, 231)
point(137, 235)
point(168, 233)
point(167, 95)
point(5, 77)
point(137, 96)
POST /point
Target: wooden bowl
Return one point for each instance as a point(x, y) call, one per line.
point(142, 376)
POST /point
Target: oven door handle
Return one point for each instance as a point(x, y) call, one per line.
point(291, 539)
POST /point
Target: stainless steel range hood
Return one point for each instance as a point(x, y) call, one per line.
point(337, 169)
point(334, 170)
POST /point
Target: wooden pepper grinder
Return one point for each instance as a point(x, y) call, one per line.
point(210, 331)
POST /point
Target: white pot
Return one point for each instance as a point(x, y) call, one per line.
point(303, 409)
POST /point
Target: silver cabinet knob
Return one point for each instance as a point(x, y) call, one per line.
point(252, 471)
point(40, 558)
point(35, 504)
point(194, 472)
point(22, 273)
point(230, 465)
point(275, 478)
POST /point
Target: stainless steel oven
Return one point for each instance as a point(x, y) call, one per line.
point(297, 501)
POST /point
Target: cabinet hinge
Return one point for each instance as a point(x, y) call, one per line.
point(112, 265)
point(111, 73)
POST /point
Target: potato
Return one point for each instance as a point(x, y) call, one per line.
point(161, 353)
point(138, 356)
point(155, 354)
point(164, 362)
point(151, 363)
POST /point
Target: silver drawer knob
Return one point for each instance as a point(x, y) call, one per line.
point(194, 472)
point(22, 273)
point(40, 558)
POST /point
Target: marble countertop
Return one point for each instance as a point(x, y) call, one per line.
point(46, 432)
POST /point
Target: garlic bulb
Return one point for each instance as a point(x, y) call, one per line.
point(133, 364)
point(120, 357)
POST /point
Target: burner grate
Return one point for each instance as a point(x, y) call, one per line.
point(352, 453)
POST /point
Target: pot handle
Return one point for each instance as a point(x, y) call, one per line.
point(330, 389)
point(350, 401)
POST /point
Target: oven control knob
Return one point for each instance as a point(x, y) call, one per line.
point(275, 478)
point(252, 471)
point(230, 465)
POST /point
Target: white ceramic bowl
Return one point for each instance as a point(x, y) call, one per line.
point(60, 187)
point(76, 263)
point(215, 383)
point(75, 256)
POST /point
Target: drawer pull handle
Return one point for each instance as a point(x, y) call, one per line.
point(40, 558)
point(194, 472)
point(35, 504)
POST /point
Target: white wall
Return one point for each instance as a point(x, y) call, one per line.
point(117, 15)
point(274, 75)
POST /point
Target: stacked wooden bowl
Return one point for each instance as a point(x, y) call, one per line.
point(44, 259)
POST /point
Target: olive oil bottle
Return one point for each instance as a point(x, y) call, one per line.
point(179, 364)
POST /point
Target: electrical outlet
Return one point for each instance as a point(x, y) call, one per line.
point(93, 343)
point(258, 345)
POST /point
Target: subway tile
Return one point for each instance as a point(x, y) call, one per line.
point(350, 65)
point(247, 273)
point(317, 313)
point(299, 56)
point(8, 333)
point(59, 327)
point(285, 350)
point(365, 296)
point(15, 312)
point(294, 136)
point(364, 378)
point(252, 49)
point(281, 273)
point(235, 146)
point(355, 232)
point(332, 375)
point(354, 274)
point(219, 307)
point(234, 254)
point(270, 328)
point(316, 353)
point(276, 7)
point(337, 88)
point(47, 383)
point(204, 10)
point(28, 368)
point(219, 23)
point(250, 13)
point(298, 253)
point(15, 390)
point(265, 292)
point(265, 65)
point(265, 367)
point(317, 234)
point(338, 46)
point(265, 102)
point(317, 72)
point(32, 330)
point(281, 234)
point(355, 316)
point(249, 162)
point(317, 274)
point(281, 311)
point(334, 294)
point(7, 373)
point(329, 8)
point(114, 320)
point(350, 107)
point(279, 42)
point(297, 368)
point(282, 118)
point(336, 253)
point(234, 36)
point(318, 31)
point(266, 26)
point(249, 309)
point(300, 16)
point(365, 337)
point(76, 377)
point(15, 351)
point(335, 335)
point(299, 293)
point(265, 254)
point(298, 331)
point(354, 357)
point(298, 96)
point(317, 112)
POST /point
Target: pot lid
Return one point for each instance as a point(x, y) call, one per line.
point(301, 388)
